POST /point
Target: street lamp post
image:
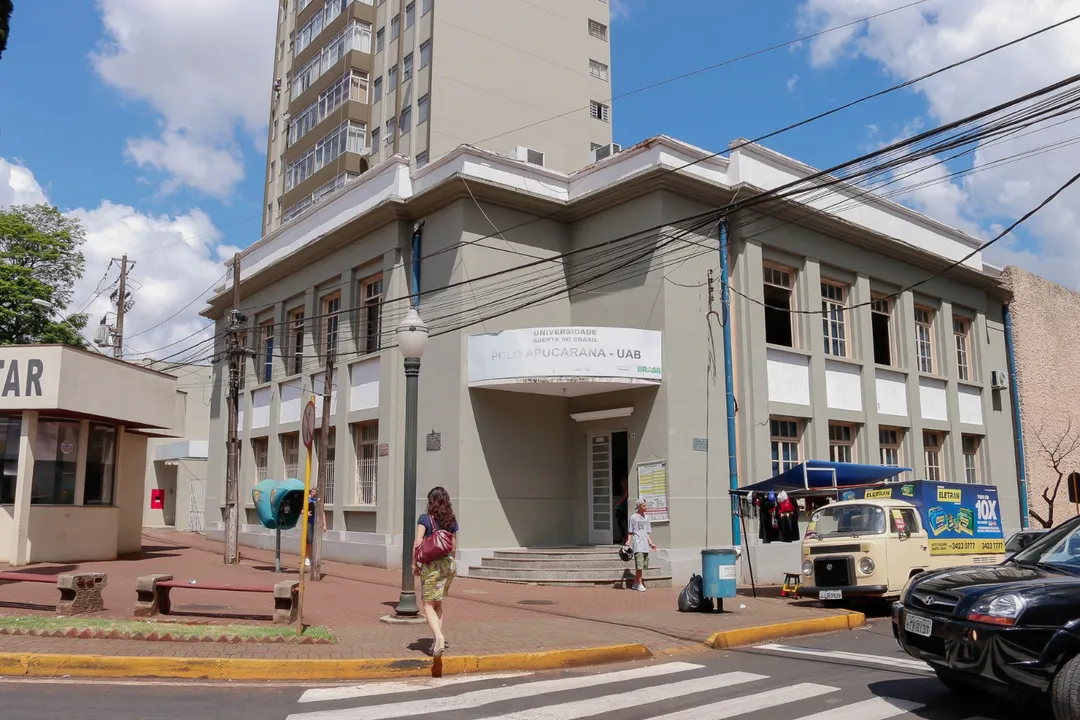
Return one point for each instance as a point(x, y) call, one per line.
point(412, 337)
point(53, 309)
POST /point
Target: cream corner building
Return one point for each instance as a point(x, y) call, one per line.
point(521, 268)
point(74, 427)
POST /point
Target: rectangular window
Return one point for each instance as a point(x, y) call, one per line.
point(779, 297)
point(395, 27)
point(380, 40)
point(267, 348)
point(56, 449)
point(318, 22)
point(972, 467)
point(961, 335)
point(924, 339)
point(392, 79)
point(353, 85)
point(366, 445)
point(423, 110)
point(410, 15)
point(371, 290)
point(833, 302)
point(881, 312)
point(100, 465)
point(331, 306)
point(598, 30)
point(406, 121)
point(290, 453)
point(406, 71)
point(355, 36)
point(349, 136)
point(421, 159)
point(910, 518)
point(425, 53)
point(10, 434)
point(294, 357)
point(841, 442)
point(425, 6)
point(932, 455)
point(391, 129)
point(328, 462)
point(599, 111)
point(785, 444)
point(273, 172)
point(377, 89)
point(598, 70)
point(889, 439)
point(260, 447)
point(322, 192)
point(376, 135)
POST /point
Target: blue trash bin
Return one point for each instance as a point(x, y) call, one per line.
point(718, 572)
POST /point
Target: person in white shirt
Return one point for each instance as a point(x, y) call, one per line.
point(639, 539)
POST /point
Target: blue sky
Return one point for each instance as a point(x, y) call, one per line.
point(101, 115)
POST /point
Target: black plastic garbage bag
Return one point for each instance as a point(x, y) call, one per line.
point(690, 597)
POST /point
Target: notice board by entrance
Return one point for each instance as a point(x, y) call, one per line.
point(653, 489)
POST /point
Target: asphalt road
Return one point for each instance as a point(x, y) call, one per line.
point(844, 676)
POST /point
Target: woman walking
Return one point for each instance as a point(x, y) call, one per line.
point(436, 574)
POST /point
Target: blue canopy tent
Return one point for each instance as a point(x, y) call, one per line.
point(825, 475)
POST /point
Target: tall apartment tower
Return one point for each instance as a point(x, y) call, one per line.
point(357, 81)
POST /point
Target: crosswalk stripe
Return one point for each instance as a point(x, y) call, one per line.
point(750, 703)
point(479, 698)
point(391, 687)
point(577, 709)
point(906, 663)
point(875, 709)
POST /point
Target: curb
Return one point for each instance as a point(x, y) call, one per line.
point(52, 665)
point(765, 633)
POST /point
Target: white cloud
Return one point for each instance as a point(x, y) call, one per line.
point(792, 82)
point(205, 66)
point(915, 41)
point(175, 259)
point(621, 9)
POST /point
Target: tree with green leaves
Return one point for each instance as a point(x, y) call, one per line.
point(6, 6)
point(39, 260)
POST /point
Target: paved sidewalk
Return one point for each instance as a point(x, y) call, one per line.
point(482, 618)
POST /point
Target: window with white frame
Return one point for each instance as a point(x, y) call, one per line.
point(598, 30)
point(599, 111)
point(354, 36)
point(371, 292)
point(598, 70)
point(932, 454)
point(290, 452)
point(349, 136)
point(779, 295)
point(841, 442)
point(881, 314)
point(328, 463)
point(962, 338)
point(267, 352)
point(833, 302)
point(325, 190)
point(366, 444)
point(353, 85)
point(786, 435)
point(294, 356)
point(972, 466)
point(924, 339)
point(260, 448)
point(331, 306)
point(889, 440)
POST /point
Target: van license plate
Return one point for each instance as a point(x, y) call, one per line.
point(918, 625)
point(830, 595)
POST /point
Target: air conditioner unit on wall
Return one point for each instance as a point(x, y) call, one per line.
point(605, 151)
point(533, 157)
point(998, 380)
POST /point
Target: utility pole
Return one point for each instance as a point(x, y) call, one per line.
point(232, 471)
point(121, 307)
point(324, 443)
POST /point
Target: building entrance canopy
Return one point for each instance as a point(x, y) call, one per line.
point(565, 361)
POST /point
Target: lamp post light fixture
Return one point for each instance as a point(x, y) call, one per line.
point(412, 337)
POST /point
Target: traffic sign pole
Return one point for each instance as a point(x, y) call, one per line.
point(307, 434)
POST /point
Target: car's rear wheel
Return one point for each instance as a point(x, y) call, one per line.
point(1065, 692)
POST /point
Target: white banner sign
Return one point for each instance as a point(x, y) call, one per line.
point(565, 352)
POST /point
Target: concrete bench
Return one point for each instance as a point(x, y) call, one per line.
point(153, 595)
point(80, 593)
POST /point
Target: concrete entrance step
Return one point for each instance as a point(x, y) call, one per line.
point(599, 562)
point(568, 554)
point(602, 576)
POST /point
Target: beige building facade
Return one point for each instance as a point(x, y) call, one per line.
point(357, 81)
point(1045, 321)
point(574, 342)
point(75, 427)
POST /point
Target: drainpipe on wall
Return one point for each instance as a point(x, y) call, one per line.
point(1018, 426)
point(729, 384)
point(417, 235)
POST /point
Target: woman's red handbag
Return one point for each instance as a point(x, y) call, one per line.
point(435, 546)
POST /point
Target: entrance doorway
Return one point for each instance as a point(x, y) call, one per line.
point(609, 460)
